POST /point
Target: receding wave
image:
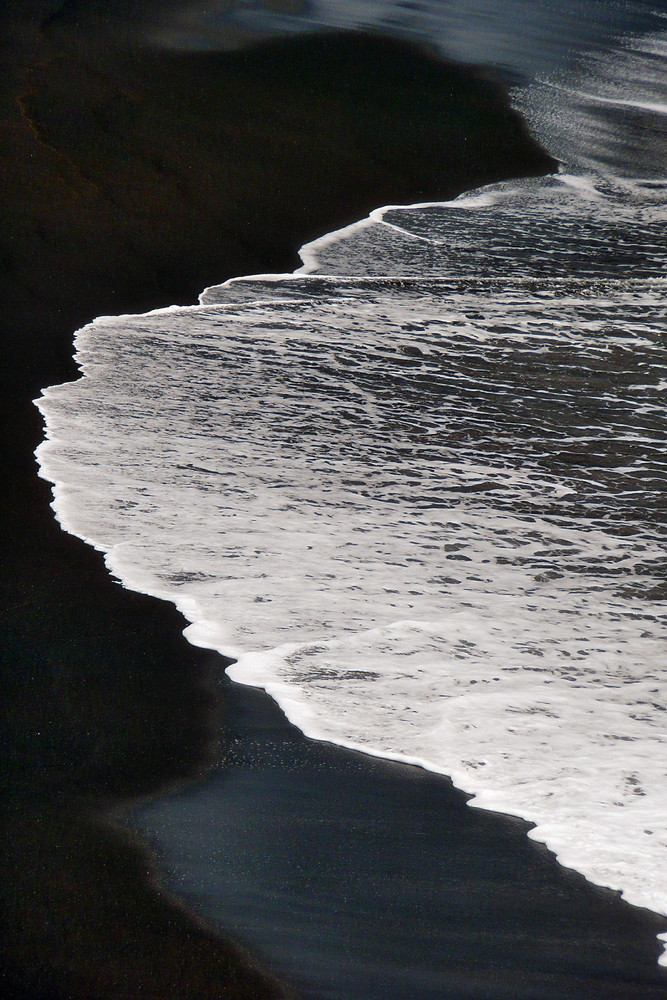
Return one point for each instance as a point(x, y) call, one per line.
point(417, 489)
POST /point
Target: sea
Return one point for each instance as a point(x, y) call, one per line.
point(416, 489)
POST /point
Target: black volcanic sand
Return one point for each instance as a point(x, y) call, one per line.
point(376, 880)
point(132, 178)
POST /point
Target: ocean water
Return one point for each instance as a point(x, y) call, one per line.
point(417, 488)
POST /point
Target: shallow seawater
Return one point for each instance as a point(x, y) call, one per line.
point(417, 489)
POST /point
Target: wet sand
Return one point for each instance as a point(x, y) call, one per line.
point(364, 879)
point(133, 178)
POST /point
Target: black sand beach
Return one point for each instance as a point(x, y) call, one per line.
point(132, 177)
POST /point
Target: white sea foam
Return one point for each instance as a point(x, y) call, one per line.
point(660, 109)
point(363, 502)
point(417, 489)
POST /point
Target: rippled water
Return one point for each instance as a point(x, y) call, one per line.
point(418, 488)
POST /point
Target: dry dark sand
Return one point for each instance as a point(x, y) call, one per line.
point(132, 178)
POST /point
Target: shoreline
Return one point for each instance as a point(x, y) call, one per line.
point(107, 703)
point(456, 902)
point(507, 814)
point(572, 880)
